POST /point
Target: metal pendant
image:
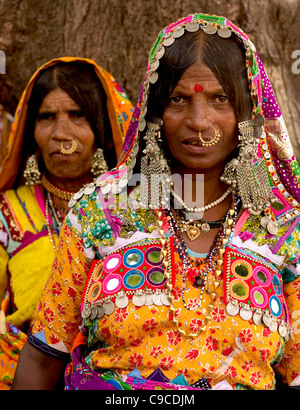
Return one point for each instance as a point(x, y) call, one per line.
point(165, 298)
point(192, 27)
point(160, 52)
point(72, 203)
point(232, 308)
point(224, 32)
point(86, 311)
point(272, 228)
point(157, 298)
point(100, 311)
point(178, 33)
point(209, 29)
point(89, 189)
point(168, 41)
point(282, 330)
point(138, 298)
point(264, 221)
point(192, 232)
point(153, 77)
point(267, 319)
point(149, 297)
point(94, 313)
point(122, 300)
point(78, 194)
point(205, 227)
point(142, 124)
point(246, 313)
point(154, 64)
point(257, 318)
point(105, 187)
point(109, 307)
point(273, 325)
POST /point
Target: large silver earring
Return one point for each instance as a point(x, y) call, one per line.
point(247, 174)
point(99, 165)
point(155, 172)
point(32, 173)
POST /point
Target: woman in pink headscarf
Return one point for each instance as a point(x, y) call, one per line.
point(178, 295)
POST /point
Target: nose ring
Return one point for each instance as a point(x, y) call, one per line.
point(70, 149)
point(211, 141)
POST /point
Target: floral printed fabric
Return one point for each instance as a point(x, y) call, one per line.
point(145, 337)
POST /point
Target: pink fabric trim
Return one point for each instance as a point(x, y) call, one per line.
point(240, 223)
point(40, 199)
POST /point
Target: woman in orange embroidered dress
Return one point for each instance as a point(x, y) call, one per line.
point(183, 283)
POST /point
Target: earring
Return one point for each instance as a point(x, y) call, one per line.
point(32, 173)
point(155, 172)
point(247, 174)
point(99, 165)
point(211, 141)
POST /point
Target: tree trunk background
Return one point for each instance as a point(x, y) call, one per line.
point(118, 35)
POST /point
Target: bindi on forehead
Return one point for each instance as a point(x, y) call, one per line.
point(198, 88)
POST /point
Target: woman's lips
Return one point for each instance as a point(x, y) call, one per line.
point(194, 146)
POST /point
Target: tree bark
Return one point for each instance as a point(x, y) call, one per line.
point(118, 35)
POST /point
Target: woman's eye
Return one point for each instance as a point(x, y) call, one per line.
point(221, 99)
point(45, 116)
point(176, 100)
point(76, 114)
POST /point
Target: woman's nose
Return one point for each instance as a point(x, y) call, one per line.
point(60, 129)
point(198, 116)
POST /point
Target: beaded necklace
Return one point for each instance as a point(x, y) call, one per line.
point(222, 240)
point(52, 219)
point(188, 270)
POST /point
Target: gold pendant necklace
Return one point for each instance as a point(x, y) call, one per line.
point(218, 272)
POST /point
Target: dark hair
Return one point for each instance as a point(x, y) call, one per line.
point(224, 57)
point(82, 84)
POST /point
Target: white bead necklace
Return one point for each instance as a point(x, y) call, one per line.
point(203, 208)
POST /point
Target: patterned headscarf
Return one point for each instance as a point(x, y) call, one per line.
point(274, 146)
point(119, 111)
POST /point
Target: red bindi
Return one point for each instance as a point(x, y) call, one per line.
point(198, 88)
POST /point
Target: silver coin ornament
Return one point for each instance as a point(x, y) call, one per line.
point(257, 318)
point(89, 189)
point(157, 299)
point(105, 187)
point(165, 298)
point(86, 311)
point(109, 307)
point(122, 300)
point(192, 27)
point(267, 319)
point(139, 299)
point(264, 221)
point(100, 311)
point(272, 228)
point(148, 297)
point(232, 308)
point(224, 32)
point(246, 313)
point(282, 330)
point(209, 29)
point(94, 313)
